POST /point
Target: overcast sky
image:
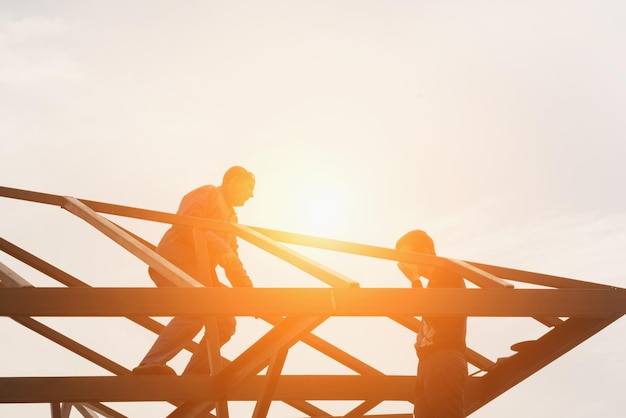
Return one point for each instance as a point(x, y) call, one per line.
point(496, 126)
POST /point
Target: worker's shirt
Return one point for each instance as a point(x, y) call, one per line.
point(177, 244)
point(442, 332)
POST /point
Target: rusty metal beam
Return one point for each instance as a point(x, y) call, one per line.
point(299, 239)
point(40, 265)
point(263, 238)
point(101, 409)
point(46, 268)
point(307, 408)
point(538, 278)
point(10, 278)
point(85, 410)
point(254, 359)
point(535, 356)
point(27, 195)
point(87, 389)
point(55, 410)
point(87, 210)
point(305, 264)
point(334, 352)
point(471, 356)
point(73, 346)
point(363, 408)
point(388, 254)
point(211, 335)
point(589, 308)
point(138, 249)
point(274, 370)
point(310, 301)
point(71, 281)
point(479, 277)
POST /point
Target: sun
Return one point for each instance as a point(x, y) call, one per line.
point(321, 208)
point(317, 205)
point(309, 200)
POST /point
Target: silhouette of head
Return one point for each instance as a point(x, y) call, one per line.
point(417, 241)
point(238, 185)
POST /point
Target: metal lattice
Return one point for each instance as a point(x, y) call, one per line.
point(570, 311)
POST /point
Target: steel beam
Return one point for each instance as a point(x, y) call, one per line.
point(138, 249)
point(535, 356)
point(273, 374)
point(254, 359)
point(103, 410)
point(588, 307)
point(310, 301)
point(87, 389)
point(71, 281)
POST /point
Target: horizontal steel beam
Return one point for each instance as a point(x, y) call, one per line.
point(310, 301)
point(200, 388)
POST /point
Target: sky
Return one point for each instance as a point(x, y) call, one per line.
point(498, 127)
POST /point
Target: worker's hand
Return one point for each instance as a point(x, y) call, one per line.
point(235, 273)
point(410, 271)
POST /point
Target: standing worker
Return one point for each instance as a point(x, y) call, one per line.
point(177, 246)
point(440, 344)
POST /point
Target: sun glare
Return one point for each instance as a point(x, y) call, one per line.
point(309, 200)
point(321, 209)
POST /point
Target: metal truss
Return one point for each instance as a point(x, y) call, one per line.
point(570, 311)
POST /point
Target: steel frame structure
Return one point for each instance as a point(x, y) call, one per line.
point(571, 311)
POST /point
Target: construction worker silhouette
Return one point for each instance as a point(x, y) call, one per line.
point(177, 246)
point(440, 343)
